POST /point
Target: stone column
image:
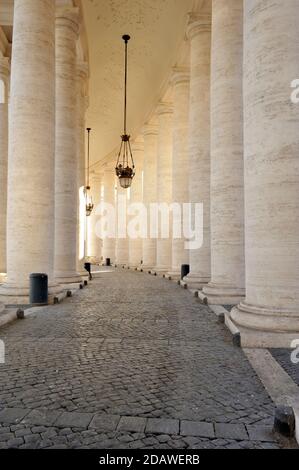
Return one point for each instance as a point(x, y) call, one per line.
point(269, 317)
point(82, 105)
point(66, 166)
point(122, 241)
point(30, 218)
point(180, 173)
point(227, 284)
point(136, 197)
point(109, 183)
point(150, 135)
point(4, 78)
point(94, 243)
point(199, 33)
point(164, 181)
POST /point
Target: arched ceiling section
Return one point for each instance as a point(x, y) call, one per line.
point(157, 29)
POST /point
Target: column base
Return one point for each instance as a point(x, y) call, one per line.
point(173, 275)
point(134, 267)
point(217, 294)
point(261, 327)
point(13, 294)
point(68, 277)
point(196, 281)
point(161, 270)
point(2, 278)
point(147, 269)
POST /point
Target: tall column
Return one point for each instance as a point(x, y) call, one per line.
point(94, 243)
point(109, 183)
point(199, 33)
point(269, 317)
point(30, 218)
point(4, 78)
point(82, 104)
point(227, 284)
point(150, 135)
point(122, 240)
point(66, 167)
point(135, 244)
point(164, 181)
point(180, 173)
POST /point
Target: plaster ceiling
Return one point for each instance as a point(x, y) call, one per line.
point(157, 30)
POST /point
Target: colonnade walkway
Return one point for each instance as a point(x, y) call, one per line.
point(132, 361)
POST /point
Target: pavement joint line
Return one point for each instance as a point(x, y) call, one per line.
point(63, 419)
point(10, 313)
point(149, 393)
point(277, 382)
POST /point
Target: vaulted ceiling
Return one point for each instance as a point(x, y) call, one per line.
point(157, 30)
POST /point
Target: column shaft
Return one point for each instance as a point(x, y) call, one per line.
point(135, 244)
point(109, 243)
point(122, 241)
point(164, 181)
point(66, 167)
point(94, 243)
point(30, 218)
point(4, 77)
point(227, 284)
point(199, 32)
point(269, 317)
point(180, 173)
point(82, 103)
point(149, 245)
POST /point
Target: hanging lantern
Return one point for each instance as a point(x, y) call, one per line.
point(125, 168)
point(88, 198)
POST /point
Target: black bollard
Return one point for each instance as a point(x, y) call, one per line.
point(38, 289)
point(185, 270)
point(87, 266)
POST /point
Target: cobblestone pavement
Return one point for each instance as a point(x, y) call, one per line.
point(132, 361)
point(283, 357)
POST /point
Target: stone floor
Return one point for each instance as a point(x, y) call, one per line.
point(283, 357)
point(132, 361)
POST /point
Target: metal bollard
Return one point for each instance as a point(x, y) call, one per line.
point(38, 289)
point(185, 270)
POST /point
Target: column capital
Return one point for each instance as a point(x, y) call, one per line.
point(4, 67)
point(180, 75)
point(68, 18)
point(198, 23)
point(82, 70)
point(95, 178)
point(86, 103)
point(138, 144)
point(150, 129)
point(164, 107)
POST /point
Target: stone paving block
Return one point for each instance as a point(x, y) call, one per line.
point(169, 361)
point(261, 433)
point(104, 422)
point(196, 428)
point(231, 431)
point(41, 417)
point(162, 426)
point(12, 415)
point(131, 424)
point(74, 420)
